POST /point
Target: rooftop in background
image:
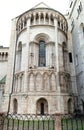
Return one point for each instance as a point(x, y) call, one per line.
point(2, 47)
point(3, 80)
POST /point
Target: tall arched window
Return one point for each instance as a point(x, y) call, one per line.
point(42, 54)
point(19, 56)
point(65, 53)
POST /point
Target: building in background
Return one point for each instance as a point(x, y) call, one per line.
point(76, 29)
point(3, 70)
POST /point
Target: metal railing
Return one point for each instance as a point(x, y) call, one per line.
point(72, 122)
point(27, 122)
point(41, 122)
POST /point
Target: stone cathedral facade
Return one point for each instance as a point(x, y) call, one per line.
point(38, 78)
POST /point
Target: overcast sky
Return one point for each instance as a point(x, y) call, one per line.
point(12, 8)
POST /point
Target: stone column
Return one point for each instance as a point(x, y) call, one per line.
point(27, 57)
point(44, 18)
point(58, 122)
point(57, 64)
point(39, 17)
point(34, 22)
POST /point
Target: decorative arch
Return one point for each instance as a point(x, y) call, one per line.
point(31, 82)
point(42, 106)
point(15, 106)
point(42, 37)
point(52, 81)
point(45, 81)
point(41, 40)
point(38, 82)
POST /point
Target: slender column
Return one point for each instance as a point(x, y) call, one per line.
point(17, 84)
point(34, 18)
point(50, 54)
point(18, 89)
point(39, 17)
point(49, 20)
point(57, 63)
point(34, 60)
point(27, 57)
point(44, 18)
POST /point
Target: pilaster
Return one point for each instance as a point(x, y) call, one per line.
point(57, 63)
point(27, 57)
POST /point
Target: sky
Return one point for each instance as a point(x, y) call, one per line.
point(10, 9)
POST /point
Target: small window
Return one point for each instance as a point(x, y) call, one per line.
point(76, 60)
point(83, 30)
point(70, 57)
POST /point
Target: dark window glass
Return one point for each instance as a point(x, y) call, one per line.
point(42, 55)
point(42, 108)
point(70, 57)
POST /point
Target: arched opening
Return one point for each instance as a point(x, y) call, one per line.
point(52, 19)
point(37, 17)
point(42, 106)
point(25, 21)
point(19, 56)
point(42, 54)
point(70, 106)
point(64, 51)
point(47, 17)
point(15, 106)
point(32, 19)
point(42, 17)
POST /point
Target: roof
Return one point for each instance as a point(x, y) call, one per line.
point(3, 80)
point(41, 5)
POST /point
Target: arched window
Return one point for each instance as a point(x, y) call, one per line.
point(42, 54)
point(15, 106)
point(70, 106)
point(42, 106)
point(64, 51)
point(19, 56)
